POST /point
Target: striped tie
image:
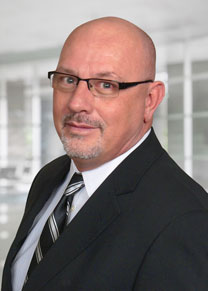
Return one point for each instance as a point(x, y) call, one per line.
point(56, 222)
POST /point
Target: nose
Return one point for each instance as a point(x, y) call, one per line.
point(81, 100)
point(84, 80)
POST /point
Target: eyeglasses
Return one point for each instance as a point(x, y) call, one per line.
point(98, 87)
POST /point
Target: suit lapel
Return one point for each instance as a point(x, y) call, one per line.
point(97, 214)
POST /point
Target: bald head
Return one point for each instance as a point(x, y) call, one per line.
point(121, 34)
point(96, 58)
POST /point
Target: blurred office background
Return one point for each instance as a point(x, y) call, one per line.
point(32, 33)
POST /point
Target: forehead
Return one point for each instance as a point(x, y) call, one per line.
point(90, 50)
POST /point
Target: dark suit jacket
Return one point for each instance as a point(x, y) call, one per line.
point(145, 228)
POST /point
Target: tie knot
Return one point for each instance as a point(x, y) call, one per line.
point(76, 178)
point(75, 184)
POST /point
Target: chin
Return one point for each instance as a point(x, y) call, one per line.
point(78, 148)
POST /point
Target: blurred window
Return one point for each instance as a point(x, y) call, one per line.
point(199, 100)
point(200, 95)
point(175, 98)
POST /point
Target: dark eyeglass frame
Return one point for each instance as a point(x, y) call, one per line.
point(121, 85)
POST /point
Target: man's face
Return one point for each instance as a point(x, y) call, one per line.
point(94, 129)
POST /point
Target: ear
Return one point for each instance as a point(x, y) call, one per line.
point(155, 95)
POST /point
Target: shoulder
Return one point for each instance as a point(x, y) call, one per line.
point(169, 177)
point(52, 170)
point(163, 186)
point(51, 175)
point(57, 163)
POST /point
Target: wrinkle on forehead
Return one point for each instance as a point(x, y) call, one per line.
point(115, 31)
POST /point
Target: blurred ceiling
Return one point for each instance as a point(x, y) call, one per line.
point(27, 25)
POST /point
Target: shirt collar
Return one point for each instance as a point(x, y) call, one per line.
point(103, 171)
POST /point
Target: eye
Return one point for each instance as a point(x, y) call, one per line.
point(104, 87)
point(68, 80)
point(107, 85)
point(65, 81)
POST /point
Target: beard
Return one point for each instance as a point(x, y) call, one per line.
point(75, 148)
point(75, 145)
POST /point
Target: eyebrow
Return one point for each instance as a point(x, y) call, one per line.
point(63, 70)
point(106, 74)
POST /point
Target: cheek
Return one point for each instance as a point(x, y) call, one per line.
point(57, 102)
point(129, 113)
point(60, 107)
point(58, 112)
point(117, 117)
point(128, 119)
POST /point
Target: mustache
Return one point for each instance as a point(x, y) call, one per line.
point(82, 118)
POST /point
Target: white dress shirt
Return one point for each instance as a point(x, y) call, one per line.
point(23, 258)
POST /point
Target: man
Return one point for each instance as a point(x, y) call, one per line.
point(138, 222)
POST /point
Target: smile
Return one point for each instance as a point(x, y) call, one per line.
point(79, 128)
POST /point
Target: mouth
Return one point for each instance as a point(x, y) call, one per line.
point(79, 128)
